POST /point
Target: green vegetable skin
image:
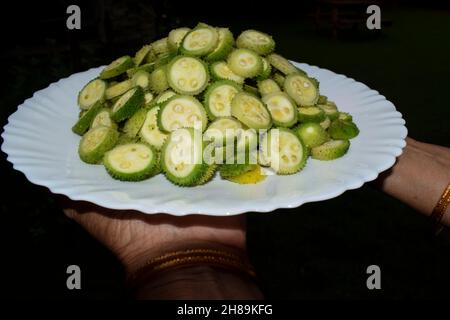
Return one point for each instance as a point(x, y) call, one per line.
point(135, 107)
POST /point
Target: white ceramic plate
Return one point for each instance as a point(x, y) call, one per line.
point(39, 142)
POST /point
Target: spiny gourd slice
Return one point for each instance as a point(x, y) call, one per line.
point(182, 111)
point(218, 96)
point(164, 96)
point(257, 41)
point(245, 63)
point(118, 89)
point(182, 158)
point(175, 37)
point(250, 177)
point(200, 41)
point(158, 80)
point(131, 162)
point(268, 86)
point(250, 111)
point(235, 169)
point(267, 70)
point(117, 67)
point(148, 67)
point(86, 119)
point(160, 46)
point(222, 130)
point(220, 71)
point(127, 104)
point(224, 46)
point(283, 151)
point(141, 79)
point(94, 91)
point(330, 150)
point(141, 54)
point(148, 98)
point(281, 64)
point(330, 111)
point(96, 142)
point(302, 89)
point(150, 132)
point(103, 118)
point(251, 89)
point(246, 141)
point(312, 134)
point(187, 75)
point(164, 59)
point(279, 79)
point(134, 124)
point(343, 130)
point(310, 114)
point(282, 109)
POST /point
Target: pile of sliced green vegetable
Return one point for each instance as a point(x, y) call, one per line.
point(140, 116)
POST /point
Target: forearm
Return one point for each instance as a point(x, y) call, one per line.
point(419, 177)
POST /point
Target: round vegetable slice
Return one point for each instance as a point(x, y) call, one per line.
point(94, 91)
point(103, 118)
point(266, 72)
point(245, 63)
point(141, 79)
point(281, 64)
point(312, 134)
point(250, 177)
point(279, 79)
point(182, 111)
point(118, 89)
point(182, 158)
point(330, 150)
point(150, 132)
point(283, 151)
point(221, 71)
point(175, 37)
point(141, 54)
point(200, 41)
point(235, 169)
point(257, 41)
point(218, 96)
point(268, 86)
point(224, 46)
point(117, 67)
point(148, 98)
point(222, 130)
point(343, 130)
point(96, 142)
point(127, 104)
point(302, 89)
point(158, 80)
point(134, 124)
point(282, 109)
point(187, 75)
point(311, 114)
point(148, 67)
point(330, 110)
point(164, 96)
point(86, 119)
point(160, 47)
point(131, 162)
point(250, 111)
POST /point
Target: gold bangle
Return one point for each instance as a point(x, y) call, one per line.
point(440, 208)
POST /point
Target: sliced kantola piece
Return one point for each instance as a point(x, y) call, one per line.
point(175, 37)
point(134, 124)
point(250, 177)
point(141, 79)
point(330, 111)
point(160, 47)
point(158, 80)
point(86, 118)
point(164, 59)
point(250, 111)
point(282, 109)
point(141, 54)
point(118, 89)
point(235, 169)
point(343, 130)
point(182, 111)
point(245, 63)
point(279, 79)
point(222, 130)
point(218, 96)
point(200, 41)
point(103, 118)
point(301, 89)
point(268, 86)
point(251, 89)
point(164, 96)
point(148, 67)
point(182, 158)
point(330, 150)
point(148, 98)
point(281, 64)
point(257, 41)
point(150, 132)
point(221, 71)
point(187, 75)
point(224, 46)
point(127, 104)
point(344, 116)
point(117, 67)
point(266, 72)
point(311, 114)
point(96, 142)
point(283, 151)
point(92, 93)
point(312, 134)
point(131, 162)
point(325, 123)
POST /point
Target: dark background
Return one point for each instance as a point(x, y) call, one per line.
point(320, 250)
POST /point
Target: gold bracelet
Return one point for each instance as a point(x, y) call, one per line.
point(440, 208)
